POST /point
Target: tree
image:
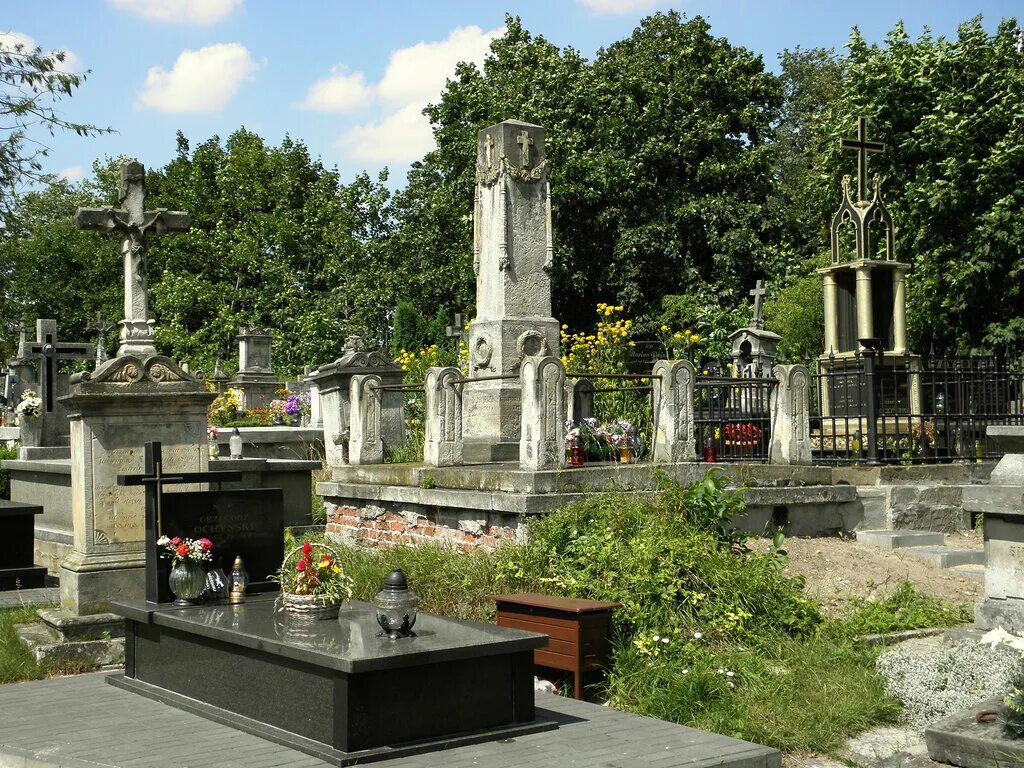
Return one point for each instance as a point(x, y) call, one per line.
point(952, 115)
point(659, 171)
point(30, 81)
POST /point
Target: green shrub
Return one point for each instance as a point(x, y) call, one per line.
point(5, 474)
point(904, 608)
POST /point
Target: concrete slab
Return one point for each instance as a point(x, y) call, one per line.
point(964, 741)
point(886, 539)
point(29, 598)
point(972, 572)
point(947, 557)
point(78, 721)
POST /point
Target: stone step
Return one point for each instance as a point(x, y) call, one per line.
point(50, 651)
point(972, 571)
point(947, 557)
point(887, 539)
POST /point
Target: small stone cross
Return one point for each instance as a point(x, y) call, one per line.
point(758, 292)
point(457, 328)
point(863, 148)
point(101, 326)
point(49, 353)
point(488, 149)
point(135, 222)
point(525, 142)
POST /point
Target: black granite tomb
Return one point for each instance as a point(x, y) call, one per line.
point(334, 689)
point(17, 542)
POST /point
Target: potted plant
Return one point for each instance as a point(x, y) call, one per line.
point(187, 579)
point(313, 582)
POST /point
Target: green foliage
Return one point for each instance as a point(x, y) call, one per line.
point(666, 559)
point(30, 83)
point(6, 452)
point(703, 314)
point(904, 608)
point(409, 330)
point(951, 113)
point(1011, 715)
point(797, 313)
point(16, 662)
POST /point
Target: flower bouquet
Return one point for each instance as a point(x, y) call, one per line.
point(592, 439)
point(30, 407)
point(623, 436)
point(298, 407)
point(187, 579)
point(744, 436)
point(313, 582)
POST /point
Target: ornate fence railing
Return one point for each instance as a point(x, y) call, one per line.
point(732, 418)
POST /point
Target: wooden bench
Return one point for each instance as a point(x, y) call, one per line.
point(578, 630)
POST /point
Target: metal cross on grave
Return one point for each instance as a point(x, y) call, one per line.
point(101, 326)
point(863, 148)
point(458, 327)
point(153, 480)
point(525, 142)
point(49, 353)
point(758, 292)
point(134, 222)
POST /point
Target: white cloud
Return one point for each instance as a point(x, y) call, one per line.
point(414, 77)
point(400, 137)
point(200, 81)
point(618, 6)
point(74, 173)
point(179, 11)
point(10, 40)
point(341, 92)
point(417, 73)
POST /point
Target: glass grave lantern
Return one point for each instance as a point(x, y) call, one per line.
point(396, 607)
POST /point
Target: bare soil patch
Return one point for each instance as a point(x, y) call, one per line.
point(836, 569)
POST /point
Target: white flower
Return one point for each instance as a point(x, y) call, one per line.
point(163, 541)
point(656, 638)
point(664, 640)
point(732, 685)
point(698, 635)
point(686, 671)
point(721, 671)
point(999, 635)
point(730, 673)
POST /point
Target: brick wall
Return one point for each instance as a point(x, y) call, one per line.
point(376, 525)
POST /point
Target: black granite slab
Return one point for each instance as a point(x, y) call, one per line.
point(334, 688)
point(17, 542)
point(349, 644)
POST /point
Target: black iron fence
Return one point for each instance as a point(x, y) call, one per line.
point(875, 408)
point(732, 418)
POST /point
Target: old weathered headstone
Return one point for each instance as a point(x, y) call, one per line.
point(512, 259)
point(255, 375)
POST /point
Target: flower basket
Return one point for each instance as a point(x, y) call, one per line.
point(311, 606)
point(313, 583)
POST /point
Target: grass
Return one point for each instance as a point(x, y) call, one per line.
point(16, 662)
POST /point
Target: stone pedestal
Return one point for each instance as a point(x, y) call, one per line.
point(255, 375)
point(334, 384)
point(791, 416)
point(512, 259)
point(1002, 504)
point(113, 412)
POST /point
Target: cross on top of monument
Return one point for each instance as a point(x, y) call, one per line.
point(47, 350)
point(488, 150)
point(135, 222)
point(525, 141)
point(457, 328)
point(758, 293)
point(863, 148)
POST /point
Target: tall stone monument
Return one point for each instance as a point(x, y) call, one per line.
point(865, 289)
point(135, 397)
point(512, 258)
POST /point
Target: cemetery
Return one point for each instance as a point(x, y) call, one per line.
point(521, 540)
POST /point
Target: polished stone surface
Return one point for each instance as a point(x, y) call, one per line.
point(17, 571)
point(349, 644)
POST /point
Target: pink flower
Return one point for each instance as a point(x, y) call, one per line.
point(205, 544)
point(176, 541)
point(301, 565)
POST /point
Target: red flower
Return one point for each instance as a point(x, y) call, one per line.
point(307, 548)
point(206, 544)
point(301, 565)
point(182, 550)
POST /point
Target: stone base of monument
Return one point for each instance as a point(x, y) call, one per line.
point(17, 568)
point(334, 689)
point(85, 642)
point(993, 614)
point(973, 739)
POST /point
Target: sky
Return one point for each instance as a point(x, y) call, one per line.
point(349, 79)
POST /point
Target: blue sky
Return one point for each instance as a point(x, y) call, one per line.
point(350, 78)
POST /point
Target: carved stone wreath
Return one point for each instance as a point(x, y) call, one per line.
point(482, 351)
point(531, 343)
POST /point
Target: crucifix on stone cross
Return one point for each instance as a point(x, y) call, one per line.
point(863, 148)
point(525, 142)
point(134, 222)
point(488, 149)
point(101, 326)
point(49, 352)
point(758, 292)
point(458, 327)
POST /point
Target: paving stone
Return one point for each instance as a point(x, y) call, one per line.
point(886, 539)
point(947, 557)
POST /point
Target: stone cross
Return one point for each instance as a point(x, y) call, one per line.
point(758, 292)
point(134, 222)
point(101, 326)
point(525, 142)
point(49, 353)
point(863, 148)
point(457, 329)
